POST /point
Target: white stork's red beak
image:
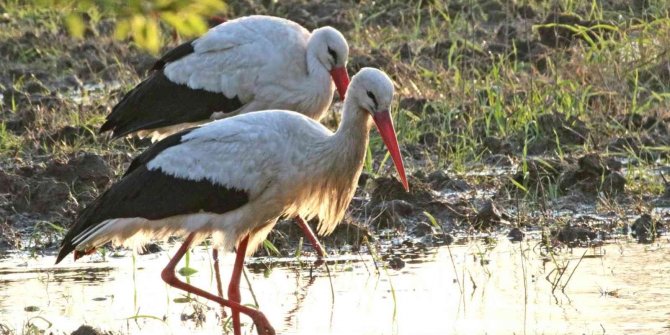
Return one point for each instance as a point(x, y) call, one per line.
point(341, 79)
point(384, 124)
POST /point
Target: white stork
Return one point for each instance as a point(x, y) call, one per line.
point(244, 65)
point(233, 178)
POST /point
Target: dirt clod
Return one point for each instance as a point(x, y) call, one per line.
point(348, 233)
point(614, 183)
point(389, 214)
point(516, 235)
point(570, 130)
point(9, 237)
point(69, 135)
point(489, 215)
point(496, 145)
point(12, 184)
point(150, 248)
point(88, 330)
point(396, 263)
point(46, 195)
point(645, 229)
point(440, 181)
point(86, 168)
point(423, 229)
point(389, 188)
point(572, 235)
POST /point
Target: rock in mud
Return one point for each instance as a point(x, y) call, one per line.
point(86, 168)
point(489, 215)
point(645, 229)
point(516, 235)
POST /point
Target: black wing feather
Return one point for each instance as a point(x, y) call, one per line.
point(153, 195)
point(158, 102)
point(174, 54)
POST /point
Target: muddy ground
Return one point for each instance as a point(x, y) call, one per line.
point(509, 120)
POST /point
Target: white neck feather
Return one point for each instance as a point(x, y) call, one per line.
point(316, 92)
point(337, 165)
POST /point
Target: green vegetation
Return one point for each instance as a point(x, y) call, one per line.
point(142, 20)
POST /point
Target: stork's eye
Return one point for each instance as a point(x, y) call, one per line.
point(333, 54)
point(374, 99)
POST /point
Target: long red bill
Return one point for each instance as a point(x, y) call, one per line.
point(341, 79)
point(384, 124)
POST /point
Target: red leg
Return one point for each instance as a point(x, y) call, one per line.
point(234, 286)
point(311, 237)
point(217, 273)
point(168, 275)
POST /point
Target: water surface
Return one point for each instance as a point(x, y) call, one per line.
point(621, 288)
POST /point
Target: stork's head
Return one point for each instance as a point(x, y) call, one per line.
point(332, 51)
point(372, 91)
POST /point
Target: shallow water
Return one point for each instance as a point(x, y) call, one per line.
point(620, 288)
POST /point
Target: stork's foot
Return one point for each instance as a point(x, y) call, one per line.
point(262, 324)
point(168, 274)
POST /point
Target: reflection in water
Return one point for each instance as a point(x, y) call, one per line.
point(471, 289)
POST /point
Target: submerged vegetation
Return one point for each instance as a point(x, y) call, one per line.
point(544, 118)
